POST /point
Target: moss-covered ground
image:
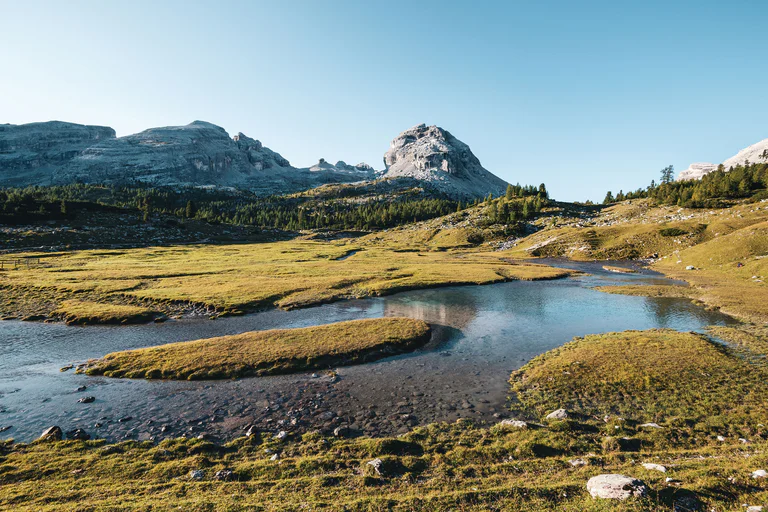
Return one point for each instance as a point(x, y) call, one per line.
point(275, 351)
point(691, 388)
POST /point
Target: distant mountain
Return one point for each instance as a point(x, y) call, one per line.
point(198, 154)
point(202, 154)
point(31, 153)
point(756, 153)
point(431, 154)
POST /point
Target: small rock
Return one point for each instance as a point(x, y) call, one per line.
point(78, 434)
point(81, 389)
point(654, 467)
point(559, 414)
point(223, 474)
point(252, 431)
point(281, 435)
point(341, 431)
point(743, 441)
point(53, 433)
point(7, 427)
point(125, 419)
point(66, 368)
point(513, 423)
point(755, 508)
point(720, 438)
point(378, 466)
point(651, 425)
point(577, 463)
point(760, 473)
point(617, 487)
point(274, 457)
point(86, 400)
point(196, 474)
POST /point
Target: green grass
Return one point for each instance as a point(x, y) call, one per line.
point(682, 381)
point(260, 353)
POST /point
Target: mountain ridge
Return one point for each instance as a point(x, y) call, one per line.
point(203, 154)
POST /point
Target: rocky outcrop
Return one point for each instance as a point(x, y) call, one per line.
point(197, 154)
point(696, 171)
point(29, 153)
point(431, 154)
point(361, 171)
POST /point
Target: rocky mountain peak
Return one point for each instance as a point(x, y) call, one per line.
point(432, 154)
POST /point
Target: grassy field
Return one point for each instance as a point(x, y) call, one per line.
point(237, 278)
point(705, 390)
point(260, 353)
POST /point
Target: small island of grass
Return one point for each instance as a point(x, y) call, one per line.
point(259, 353)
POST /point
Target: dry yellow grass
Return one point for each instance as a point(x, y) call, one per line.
point(267, 352)
point(85, 312)
point(241, 277)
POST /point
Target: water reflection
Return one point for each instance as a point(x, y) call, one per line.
point(488, 332)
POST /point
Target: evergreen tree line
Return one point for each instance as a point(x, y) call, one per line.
point(28, 204)
point(742, 181)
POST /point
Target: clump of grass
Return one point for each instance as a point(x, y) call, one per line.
point(78, 312)
point(647, 376)
point(267, 352)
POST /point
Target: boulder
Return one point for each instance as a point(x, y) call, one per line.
point(513, 423)
point(53, 433)
point(196, 474)
point(78, 434)
point(617, 487)
point(223, 474)
point(559, 414)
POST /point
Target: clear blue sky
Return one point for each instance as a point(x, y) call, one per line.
point(585, 96)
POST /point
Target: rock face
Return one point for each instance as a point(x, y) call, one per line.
point(617, 487)
point(696, 171)
point(756, 153)
point(198, 154)
point(29, 153)
point(431, 154)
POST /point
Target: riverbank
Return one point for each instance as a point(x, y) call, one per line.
point(536, 463)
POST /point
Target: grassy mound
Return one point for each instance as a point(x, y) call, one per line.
point(662, 376)
point(77, 312)
point(267, 352)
